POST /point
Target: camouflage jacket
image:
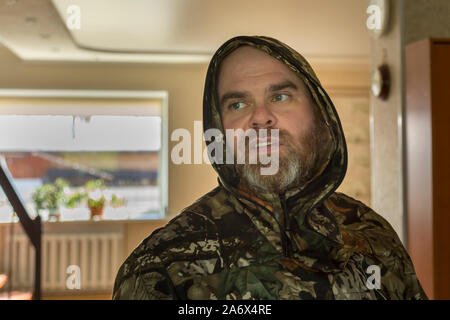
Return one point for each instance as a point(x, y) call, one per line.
point(309, 243)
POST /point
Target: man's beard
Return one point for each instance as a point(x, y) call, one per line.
point(297, 165)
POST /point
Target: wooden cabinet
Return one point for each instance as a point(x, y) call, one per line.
point(427, 79)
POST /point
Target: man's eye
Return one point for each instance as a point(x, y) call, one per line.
point(237, 105)
point(280, 97)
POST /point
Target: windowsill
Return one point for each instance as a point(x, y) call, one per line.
point(104, 221)
point(81, 227)
point(140, 221)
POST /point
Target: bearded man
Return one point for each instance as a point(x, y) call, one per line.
point(287, 235)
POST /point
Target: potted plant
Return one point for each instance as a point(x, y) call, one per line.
point(93, 195)
point(50, 196)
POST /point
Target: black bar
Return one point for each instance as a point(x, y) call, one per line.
point(33, 228)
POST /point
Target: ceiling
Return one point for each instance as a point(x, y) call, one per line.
point(186, 31)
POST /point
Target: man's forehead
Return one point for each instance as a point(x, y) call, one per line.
point(248, 59)
point(246, 62)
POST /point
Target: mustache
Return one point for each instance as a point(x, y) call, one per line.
point(260, 141)
point(284, 137)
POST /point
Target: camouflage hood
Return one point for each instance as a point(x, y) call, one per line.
point(324, 182)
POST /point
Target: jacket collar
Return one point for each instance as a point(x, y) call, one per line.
point(318, 219)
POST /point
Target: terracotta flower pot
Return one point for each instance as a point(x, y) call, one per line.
point(96, 212)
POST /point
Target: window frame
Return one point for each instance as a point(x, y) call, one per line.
point(112, 94)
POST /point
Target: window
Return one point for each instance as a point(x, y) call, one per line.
point(116, 138)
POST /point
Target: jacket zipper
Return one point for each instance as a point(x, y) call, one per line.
point(284, 238)
point(285, 243)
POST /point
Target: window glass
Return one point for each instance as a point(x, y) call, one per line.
point(107, 161)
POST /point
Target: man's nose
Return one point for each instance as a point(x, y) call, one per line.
point(262, 117)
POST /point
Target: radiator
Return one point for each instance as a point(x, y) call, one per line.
point(97, 256)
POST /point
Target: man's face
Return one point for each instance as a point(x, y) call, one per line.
point(256, 91)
